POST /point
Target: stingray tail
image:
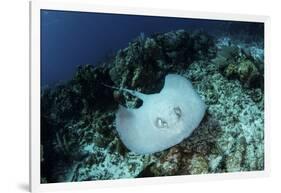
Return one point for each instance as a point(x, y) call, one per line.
point(132, 92)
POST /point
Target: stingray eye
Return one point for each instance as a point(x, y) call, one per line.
point(178, 112)
point(160, 123)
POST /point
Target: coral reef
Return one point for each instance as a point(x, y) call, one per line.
point(237, 62)
point(79, 141)
point(146, 61)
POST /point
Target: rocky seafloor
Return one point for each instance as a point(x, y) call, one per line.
point(79, 141)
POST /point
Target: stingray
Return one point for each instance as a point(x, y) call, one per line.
point(163, 120)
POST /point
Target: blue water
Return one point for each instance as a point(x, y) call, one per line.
point(69, 39)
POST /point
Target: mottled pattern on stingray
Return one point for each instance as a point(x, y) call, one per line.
point(164, 119)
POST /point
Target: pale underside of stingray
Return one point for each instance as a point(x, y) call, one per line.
point(163, 120)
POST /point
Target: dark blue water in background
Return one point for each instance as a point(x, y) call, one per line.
point(70, 39)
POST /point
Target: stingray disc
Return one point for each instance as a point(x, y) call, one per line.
point(163, 120)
